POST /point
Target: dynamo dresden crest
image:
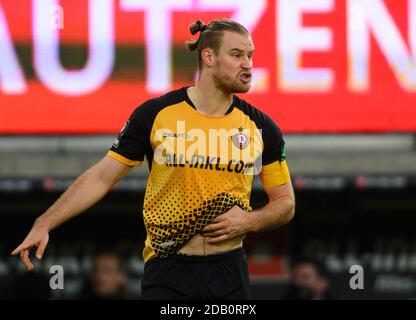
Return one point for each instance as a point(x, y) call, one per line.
point(240, 139)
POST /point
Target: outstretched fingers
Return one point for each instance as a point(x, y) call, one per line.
point(23, 246)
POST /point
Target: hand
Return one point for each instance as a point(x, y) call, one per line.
point(39, 237)
point(231, 224)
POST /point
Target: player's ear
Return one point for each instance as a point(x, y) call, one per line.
point(208, 57)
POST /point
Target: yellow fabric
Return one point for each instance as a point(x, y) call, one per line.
point(183, 194)
point(184, 199)
point(122, 159)
point(274, 174)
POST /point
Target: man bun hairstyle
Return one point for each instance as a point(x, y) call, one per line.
point(211, 34)
point(197, 26)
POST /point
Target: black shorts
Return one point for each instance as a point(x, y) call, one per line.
point(184, 277)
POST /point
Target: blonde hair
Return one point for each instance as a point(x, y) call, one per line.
point(211, 35)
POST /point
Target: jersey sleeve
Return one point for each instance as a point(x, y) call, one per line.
point(274, 170)
point(132, 143)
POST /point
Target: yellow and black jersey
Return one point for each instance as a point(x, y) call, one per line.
point(200, 165)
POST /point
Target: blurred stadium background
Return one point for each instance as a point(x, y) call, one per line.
point(338, 77)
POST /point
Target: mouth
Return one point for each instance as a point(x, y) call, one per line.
point(245, 77)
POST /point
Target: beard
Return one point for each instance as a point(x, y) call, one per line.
point(228, 84)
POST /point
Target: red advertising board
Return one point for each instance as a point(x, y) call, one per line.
point(81, 66)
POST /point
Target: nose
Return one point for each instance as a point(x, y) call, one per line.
point(247, 63)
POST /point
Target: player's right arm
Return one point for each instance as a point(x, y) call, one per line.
point(86, 190)
point(128, 150)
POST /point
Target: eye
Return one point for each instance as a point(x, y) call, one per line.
point(237, 55)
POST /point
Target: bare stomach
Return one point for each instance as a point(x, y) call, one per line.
point(199, 246)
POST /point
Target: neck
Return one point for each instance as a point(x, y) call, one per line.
point(209, 99)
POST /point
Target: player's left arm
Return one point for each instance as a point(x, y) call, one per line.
point(278, 212)
point(275, 178)
point(236, 222)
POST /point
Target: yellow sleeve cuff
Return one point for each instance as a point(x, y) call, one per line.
point(274, 174)
point(123, 160)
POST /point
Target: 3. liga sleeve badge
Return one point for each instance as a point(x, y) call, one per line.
point(123, 130)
